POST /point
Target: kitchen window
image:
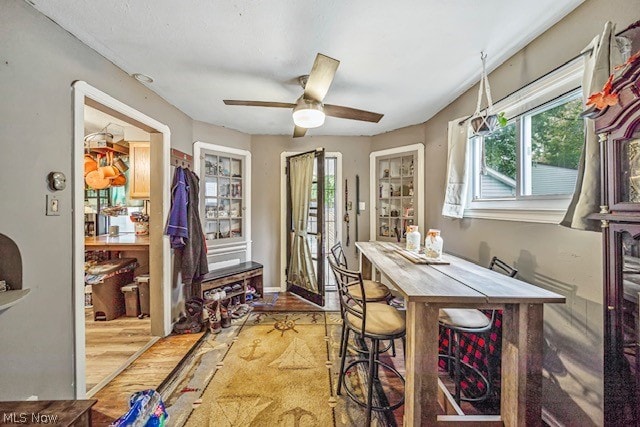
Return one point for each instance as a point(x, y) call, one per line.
point(527, 170)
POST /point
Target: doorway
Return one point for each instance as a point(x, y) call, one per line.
point(158, 248)
point(333, 208)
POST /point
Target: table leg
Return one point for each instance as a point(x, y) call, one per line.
point(421, 387)
point(522, 337)
point(365, 267)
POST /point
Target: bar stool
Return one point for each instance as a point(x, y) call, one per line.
point(470, 320)
point(373, 291)
point(371, 320)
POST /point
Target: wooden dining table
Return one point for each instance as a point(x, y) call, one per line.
point(428, 288)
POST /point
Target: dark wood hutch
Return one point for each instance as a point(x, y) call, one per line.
point(618, 127)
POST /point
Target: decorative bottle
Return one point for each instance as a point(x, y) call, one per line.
point(413, 238)
point(433, 244)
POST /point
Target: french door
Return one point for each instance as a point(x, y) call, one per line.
point(305, 226)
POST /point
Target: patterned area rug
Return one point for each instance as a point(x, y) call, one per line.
point(271, 369)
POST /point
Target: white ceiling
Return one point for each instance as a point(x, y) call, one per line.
point(406, 59)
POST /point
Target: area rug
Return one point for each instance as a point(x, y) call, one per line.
point(270, 369)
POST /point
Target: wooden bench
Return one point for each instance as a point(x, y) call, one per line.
point(246, 274)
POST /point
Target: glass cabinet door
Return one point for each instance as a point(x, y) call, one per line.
point(630, 171)
point(223, 197)
point(622, 323)
point(396, 197)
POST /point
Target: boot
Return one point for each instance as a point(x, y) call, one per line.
point(212, 309)
point(224, 314)
point(191, 322)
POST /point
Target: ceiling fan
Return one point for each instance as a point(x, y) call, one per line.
point(309, 111)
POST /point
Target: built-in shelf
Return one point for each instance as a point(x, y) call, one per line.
point(10, 298)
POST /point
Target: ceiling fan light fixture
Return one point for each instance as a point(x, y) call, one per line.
point(308, 114)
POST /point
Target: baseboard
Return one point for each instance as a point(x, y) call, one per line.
point(271, 290)
point(550, 420)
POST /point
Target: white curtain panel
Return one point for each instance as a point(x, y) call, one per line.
point(301, 272)
point(457, 169)
point(605, 55)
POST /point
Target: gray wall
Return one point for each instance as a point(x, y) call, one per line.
point(206, 132)
point(563, 260)
point(265, 191)
point(38, 63)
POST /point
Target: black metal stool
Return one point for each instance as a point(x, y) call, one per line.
point(373, 321)
point(466, 320)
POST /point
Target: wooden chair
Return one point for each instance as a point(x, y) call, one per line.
point(370, 320)
point(470, 320)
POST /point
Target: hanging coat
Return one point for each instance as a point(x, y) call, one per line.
point(190, 247)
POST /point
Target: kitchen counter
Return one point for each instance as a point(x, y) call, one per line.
point(123, 242)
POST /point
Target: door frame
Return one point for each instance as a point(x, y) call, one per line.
point(160, 325)
point(283, 210)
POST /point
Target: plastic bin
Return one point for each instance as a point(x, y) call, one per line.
point(108, 299)
point(131, 300)
point(143, 290)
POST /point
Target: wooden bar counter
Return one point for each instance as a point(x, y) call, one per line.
point(123, 242)
point(128, 244)
point(426, 289)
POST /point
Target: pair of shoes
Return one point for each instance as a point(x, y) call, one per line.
point(191, 322)
point(236, 287)
point(228, 289)
point(215, 294)
point(241, 310)
point(212, 309)
point(250, 290)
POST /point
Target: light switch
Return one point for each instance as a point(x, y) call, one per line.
point(53, 205)
point(362, 206)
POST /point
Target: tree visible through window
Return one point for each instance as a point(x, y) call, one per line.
point(544, 146)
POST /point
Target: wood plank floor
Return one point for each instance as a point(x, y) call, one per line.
point(287, 301)
point(146, 372)
point(110, 344)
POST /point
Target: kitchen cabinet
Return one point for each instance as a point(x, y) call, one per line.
point(139, 169)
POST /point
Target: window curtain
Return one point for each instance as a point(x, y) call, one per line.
point(603, 57)
point(455, 196)
point(301, 272)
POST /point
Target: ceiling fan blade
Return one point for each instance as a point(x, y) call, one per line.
point(351, 113)
point(320, 77)
point(259, 103)
point(299, 131)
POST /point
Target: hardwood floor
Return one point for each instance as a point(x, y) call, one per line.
point(146, 372)
point(110, 344)
point(287, 301)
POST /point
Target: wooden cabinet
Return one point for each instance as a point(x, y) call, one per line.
point(618, 127)
point(396, 195)
point(139, 170)
point(225, 202)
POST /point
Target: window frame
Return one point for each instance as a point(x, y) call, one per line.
point(545, 93)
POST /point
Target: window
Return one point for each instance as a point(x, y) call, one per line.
point(527, 170)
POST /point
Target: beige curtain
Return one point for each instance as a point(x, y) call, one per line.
point(605, 55)
point(455, 196)
point(301, 270)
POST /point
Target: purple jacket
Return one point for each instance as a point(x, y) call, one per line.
point(177, 226)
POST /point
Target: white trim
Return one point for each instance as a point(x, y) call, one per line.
point(544, 210)
point(418, 182)
point(82, 90)
point(198, 146)
point(283, 209)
